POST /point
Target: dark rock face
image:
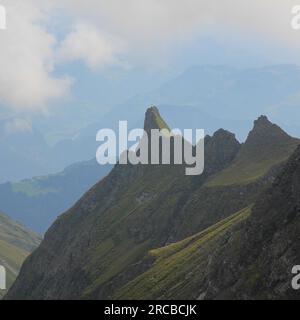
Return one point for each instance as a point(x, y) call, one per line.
point(251, 258)
point(265, 137)
point(220, 150)
point(153, 120)
point(269, 245)
point(114, 220)
point(101, 243)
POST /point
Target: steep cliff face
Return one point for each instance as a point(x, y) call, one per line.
point(153, 120)
point(114, 225)
point(249, 255)
point(267, 145)
point(102, 243)
point(269, 245)
point(225, 191)
point(179, 270)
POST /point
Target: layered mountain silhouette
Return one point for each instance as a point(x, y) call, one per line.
point(37, 202)
point(151, 232)
point(16, 243)
point(266, 146)
point(202, 96)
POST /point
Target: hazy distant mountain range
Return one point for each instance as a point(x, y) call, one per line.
point(208, 97)
point(37, 202)
point(150, 232)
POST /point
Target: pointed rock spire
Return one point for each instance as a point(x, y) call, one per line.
point(153, 120)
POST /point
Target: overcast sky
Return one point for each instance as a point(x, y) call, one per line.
point(44, 35)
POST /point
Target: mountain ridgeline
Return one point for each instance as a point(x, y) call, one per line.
point(150, 232)
point(37, 202)
point(191, 99)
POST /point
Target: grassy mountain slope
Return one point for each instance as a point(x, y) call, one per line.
point(99, 245)
point(269, 245)
point(249, 255)
point(16, 243)
point(236, 186)
point(115, 224)
point(176, 268)
point(266, 146)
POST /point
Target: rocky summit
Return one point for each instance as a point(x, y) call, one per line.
point(149, 231)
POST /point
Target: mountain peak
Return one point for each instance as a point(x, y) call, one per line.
point(224, 134)
point(264, 124)
point(264, 132)
point(267, 146)
point(262, 120)
point(153, 120)
point(220, 149)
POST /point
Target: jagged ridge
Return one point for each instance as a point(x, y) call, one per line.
point(97, 246)
point(267, 145)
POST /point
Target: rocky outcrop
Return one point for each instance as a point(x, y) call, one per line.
point(269, 245)
point(101, 243)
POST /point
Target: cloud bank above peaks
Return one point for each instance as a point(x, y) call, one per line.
point(86, 43)
point(101, 33)
point(27, 59)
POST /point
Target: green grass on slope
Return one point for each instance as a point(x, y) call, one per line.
point(178, 266)
point(161, 122)
point(11, 258)
point(16, 242)
point(15, 234)
point(31, 188)
point(117, 248)
point(248, 168)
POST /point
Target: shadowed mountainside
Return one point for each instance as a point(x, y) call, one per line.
point(101, 244)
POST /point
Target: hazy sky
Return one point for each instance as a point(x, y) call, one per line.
point(45, 36)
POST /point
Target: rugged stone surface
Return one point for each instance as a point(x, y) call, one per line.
point(269, 245)
point(102, 243)
point(249, 255)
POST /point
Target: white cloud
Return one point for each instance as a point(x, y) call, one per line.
point(88, 44)
point(26, 59)
point(155, 24)
point(120, 31)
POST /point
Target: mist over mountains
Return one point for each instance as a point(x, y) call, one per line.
point(177, 215)
point(38, 201)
